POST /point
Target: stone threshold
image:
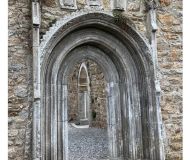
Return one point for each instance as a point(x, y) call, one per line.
point(79, 126)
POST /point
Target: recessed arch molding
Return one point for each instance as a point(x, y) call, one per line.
point(125, 58)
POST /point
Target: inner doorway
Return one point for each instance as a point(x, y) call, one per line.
point(87, 113)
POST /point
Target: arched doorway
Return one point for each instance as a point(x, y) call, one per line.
point(125, 58)
point(87, 132)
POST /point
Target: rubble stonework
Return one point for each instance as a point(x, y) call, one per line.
point(169, 41)
point(20, 79)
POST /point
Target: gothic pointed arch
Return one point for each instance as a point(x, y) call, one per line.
point(125, 58)
point(83, 95)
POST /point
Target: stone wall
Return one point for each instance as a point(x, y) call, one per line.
point(97, 95)
point(73, 94)
point(51, 11)
point(20, 79)
point(170, 61)
point(169, 35)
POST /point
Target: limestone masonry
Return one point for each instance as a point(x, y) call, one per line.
point(166, 50)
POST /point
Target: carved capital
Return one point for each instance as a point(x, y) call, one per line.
point(68, 4)
point(152, 21)
point(35, 14)
point(120, 5)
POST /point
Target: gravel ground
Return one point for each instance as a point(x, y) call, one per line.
point(88, 144)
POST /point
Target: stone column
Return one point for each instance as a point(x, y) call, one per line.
point(114, 122)
point(63, 123)
point(152, 28)
point(83, 107)
point(83, 95)
point(131, 120)
point(36, 82)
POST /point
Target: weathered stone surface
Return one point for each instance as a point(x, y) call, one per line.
point(169, 35)
point(111, 73)
point(20, 75)
point(170, 62)
point(21, 91)
point(165, 2)
point(166, 19)
point(49, 3)
point(83, 2)
point(106, 4)
point(134, 7)
point(13, 133)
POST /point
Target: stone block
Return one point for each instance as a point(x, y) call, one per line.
point(166, 19)
point(36, 13)
point(13, 133)
point(21, 91)
point(165, 2)
point(120, 5)
point(50, 3)
point(134, 7)
point(68, 4)
point(94, 2)
point(106, 4)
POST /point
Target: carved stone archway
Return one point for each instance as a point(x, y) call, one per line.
point(125, 58)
